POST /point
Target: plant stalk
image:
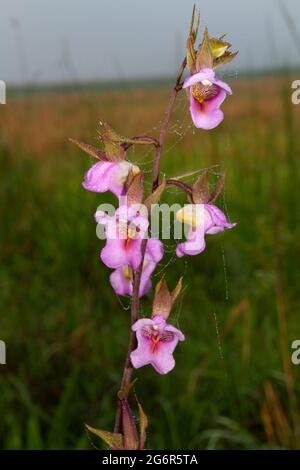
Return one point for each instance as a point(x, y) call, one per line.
point(135, 303)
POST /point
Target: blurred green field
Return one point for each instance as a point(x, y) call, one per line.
point(66, 332)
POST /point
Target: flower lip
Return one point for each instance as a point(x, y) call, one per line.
point(157, 341)
point(157, 335)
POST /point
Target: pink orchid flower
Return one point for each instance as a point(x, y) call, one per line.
point(207, 93)
point(124, 232)
point(109, 176)
point(156, 343)
point(203, 219)
point(122, 278)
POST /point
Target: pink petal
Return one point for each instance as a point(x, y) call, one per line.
point(140, 357)
point(194, 245)
point(214, 103)
point(102, 217)
point(149, 267)
point(204, 74)
point(97, 178)
point(219, 220)
point(113, 254)
point(162, 357)
point(155, 249)
point(223, 85)
point(134, 253)
point(145, 286)
point(207, 115)
point(141, 323)
point(120, 284)
point(177, 332)
point(163, 360)
point(164, 364)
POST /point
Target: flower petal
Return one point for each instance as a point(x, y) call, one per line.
point(164, 364)
point(140, 357)
point(121, 284)
point(141, 323)
point(134, 253)
point(204, 74)
point(97, 178)
point(219, 220)
point(149, 351)
point(223, 85)
point(194, 245)
point(177, 332)
point(207, 115)
point(155, 249)
point(113, 254)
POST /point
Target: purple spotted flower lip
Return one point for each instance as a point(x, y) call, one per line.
point(207, 93)
point(108, 176)
point(156, 343)
point(203, 219)
point(122, 278)
point(124, 232)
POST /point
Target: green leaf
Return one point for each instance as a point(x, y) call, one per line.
point(190, 56)
point(175, 293)
point(201, 189)
point(162, 303)
point(225, 59)
point(111, 141)
point(191, 53)
point(204, 56)
point(135, 189)
point(124, 392)
point(218, 190)
point(143, 425)
point(130, 434)
point(194, 25)
point(89, 149)
point(114, 440)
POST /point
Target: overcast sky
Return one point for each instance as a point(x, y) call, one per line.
point(46, 40)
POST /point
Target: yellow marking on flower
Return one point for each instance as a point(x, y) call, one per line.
point(127, 271)
point(191, 215)
point(135, 170)
point(131, 232)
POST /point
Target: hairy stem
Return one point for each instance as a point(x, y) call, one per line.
point(135, 303)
